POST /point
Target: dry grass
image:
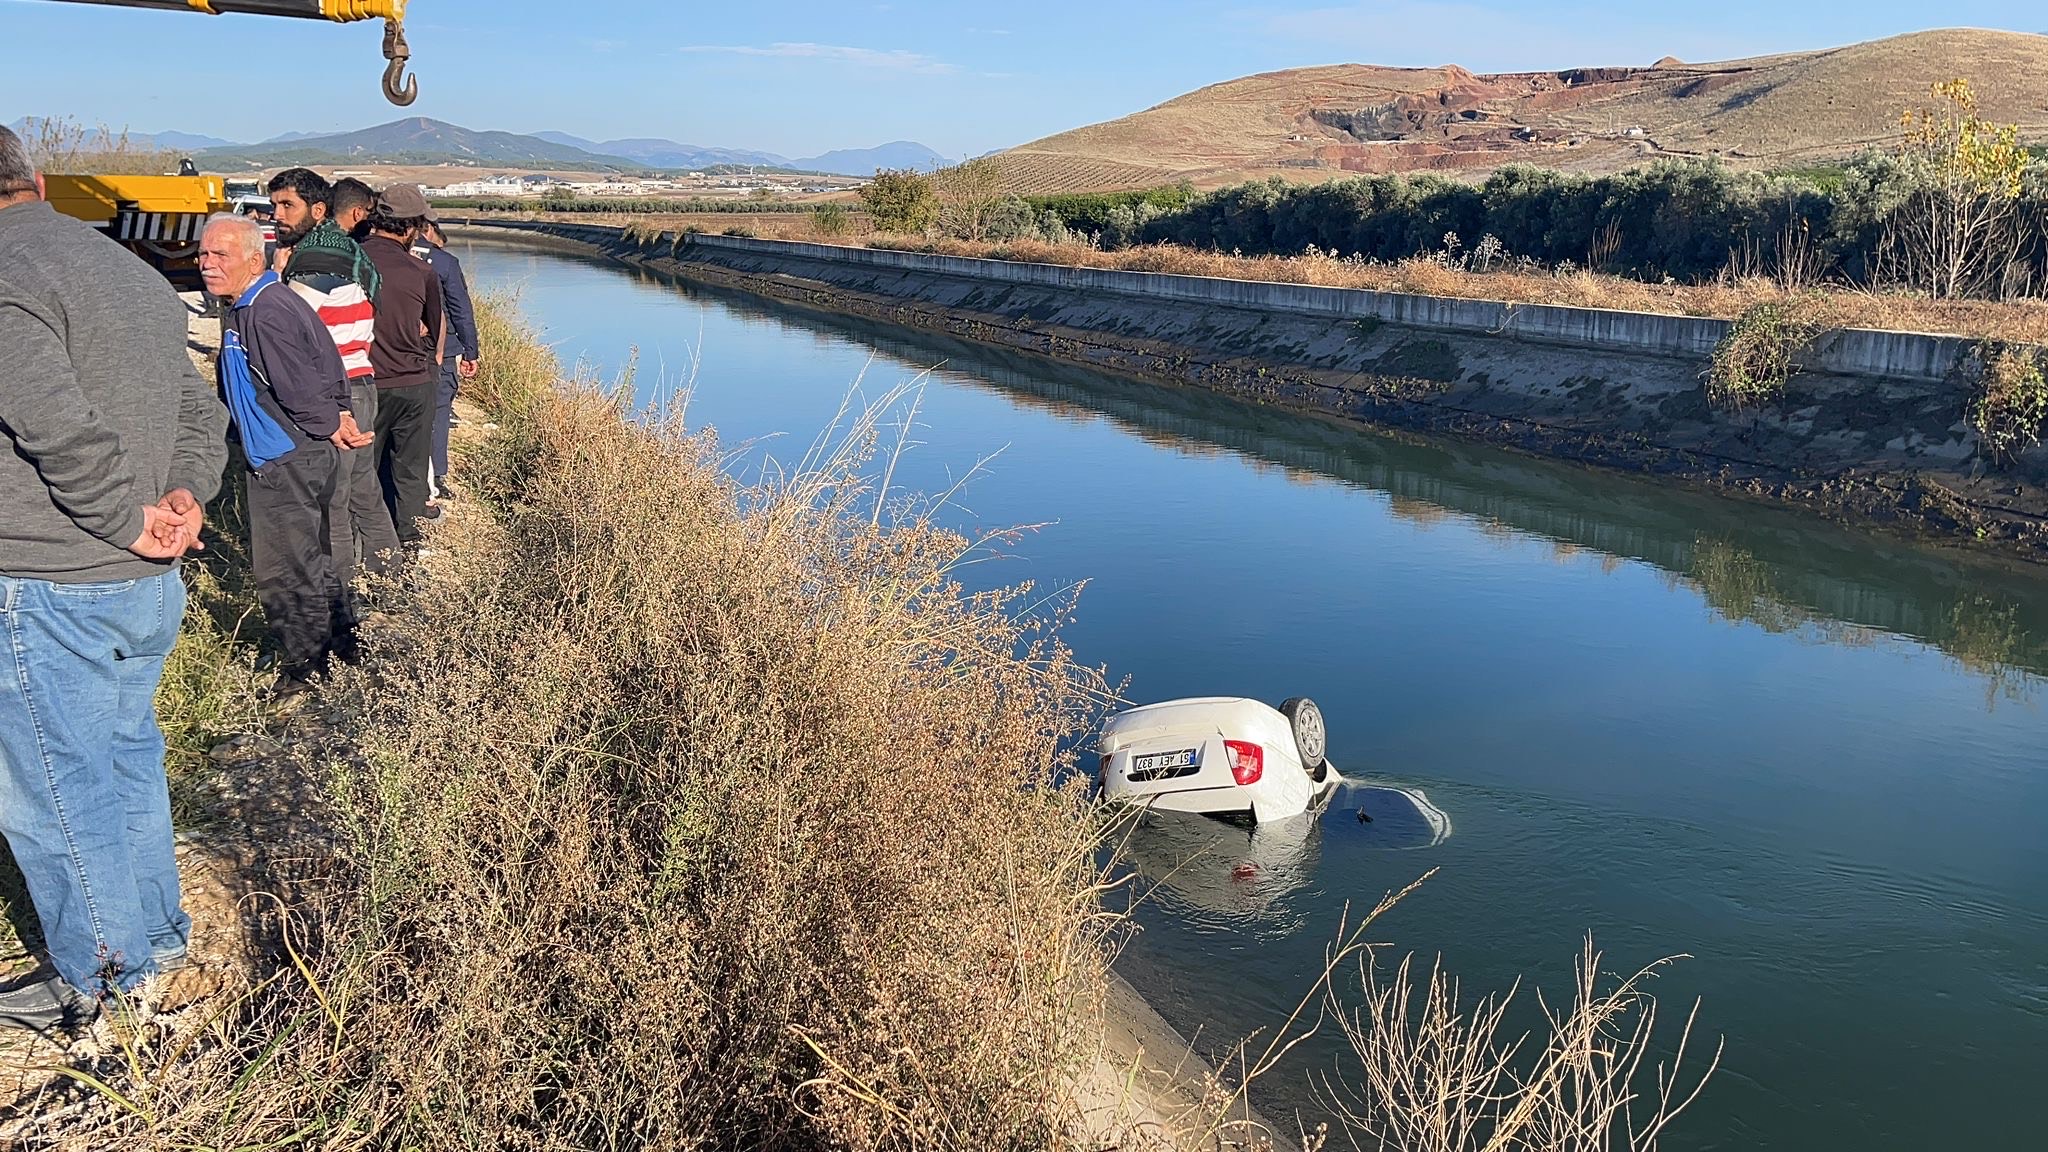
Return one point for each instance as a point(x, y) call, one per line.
point(695, 816)
point(1434, 1073)
point(63, 146)
point(2023, 321)
point(1046, 173)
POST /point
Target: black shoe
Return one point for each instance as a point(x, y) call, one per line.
point(432, 511)
point(347, 649)
point(47, 1007)
point(286, 687)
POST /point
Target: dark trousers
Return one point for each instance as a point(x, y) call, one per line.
point(359, 532)
point(444, 418)
point(295, 579)
point(405, 432)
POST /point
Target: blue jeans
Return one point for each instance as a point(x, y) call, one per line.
point(83, 799)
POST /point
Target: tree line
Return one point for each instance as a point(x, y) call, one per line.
point(1958, 208)
point(1690, 221)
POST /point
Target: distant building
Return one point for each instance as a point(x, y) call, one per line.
point(489, 186)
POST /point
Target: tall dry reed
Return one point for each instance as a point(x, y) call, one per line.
point(693, 816)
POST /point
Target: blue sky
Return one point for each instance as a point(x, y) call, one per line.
point(802, 76)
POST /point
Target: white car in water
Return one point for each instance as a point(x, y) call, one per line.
point(1221, 756)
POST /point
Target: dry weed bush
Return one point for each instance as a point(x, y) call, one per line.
point(695, 817)
point(1432, 1072)
point(726, 818)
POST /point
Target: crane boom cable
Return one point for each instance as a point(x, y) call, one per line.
point(398, 88)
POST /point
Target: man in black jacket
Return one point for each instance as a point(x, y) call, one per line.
point(288, 395)
point(406, 355)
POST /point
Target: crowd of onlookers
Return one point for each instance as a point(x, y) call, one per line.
point(342, 349)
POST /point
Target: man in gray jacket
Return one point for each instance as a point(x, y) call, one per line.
point(113, 443)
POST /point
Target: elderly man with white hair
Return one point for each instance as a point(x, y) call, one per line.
point(287, 393)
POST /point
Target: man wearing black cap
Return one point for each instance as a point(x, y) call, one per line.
point(406, 355)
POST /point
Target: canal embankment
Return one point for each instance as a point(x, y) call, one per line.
point(578, 853)
point(1872, 428)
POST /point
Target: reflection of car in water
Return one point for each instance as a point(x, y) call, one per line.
point(1243, 874)
point(1234, 871)
point(1218, 756)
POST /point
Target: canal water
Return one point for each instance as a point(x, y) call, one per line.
point(1813, 760)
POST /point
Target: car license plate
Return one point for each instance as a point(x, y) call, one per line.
point(1163, 761)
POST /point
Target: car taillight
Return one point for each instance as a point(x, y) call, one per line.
point(1247, 761)
point(1106, 758)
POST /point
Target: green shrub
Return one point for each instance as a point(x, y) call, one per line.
point(1091, 211)
point(901, 201)
point(1758, 355)
point(832, 220)
point(2011, 403)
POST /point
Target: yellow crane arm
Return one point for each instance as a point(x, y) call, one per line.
point(392, 12)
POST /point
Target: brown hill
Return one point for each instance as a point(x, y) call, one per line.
point(1315, 123)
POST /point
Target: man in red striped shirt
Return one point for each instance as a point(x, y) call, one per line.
point(331, 273)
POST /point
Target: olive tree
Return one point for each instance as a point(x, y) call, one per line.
point(901, 200)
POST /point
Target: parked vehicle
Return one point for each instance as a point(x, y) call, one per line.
point(1224, 756)
point(158, 218)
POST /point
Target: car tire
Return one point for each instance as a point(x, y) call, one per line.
point(1311, 739)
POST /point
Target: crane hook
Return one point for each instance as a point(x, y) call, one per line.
point(395, 50)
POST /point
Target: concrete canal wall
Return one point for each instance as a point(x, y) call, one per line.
point(1872, 429)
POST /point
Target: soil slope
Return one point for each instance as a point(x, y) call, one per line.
point(1316, 123)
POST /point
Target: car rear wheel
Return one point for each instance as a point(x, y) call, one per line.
point(1311, 740)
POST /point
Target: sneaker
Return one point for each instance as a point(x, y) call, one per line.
point(433, 511)
point(46, 1007)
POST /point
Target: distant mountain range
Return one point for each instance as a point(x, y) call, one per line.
point(142, 141)
point(418, 140)
point(666, 153)
point(422, 141)
point(658, 153)
point(865, 161)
